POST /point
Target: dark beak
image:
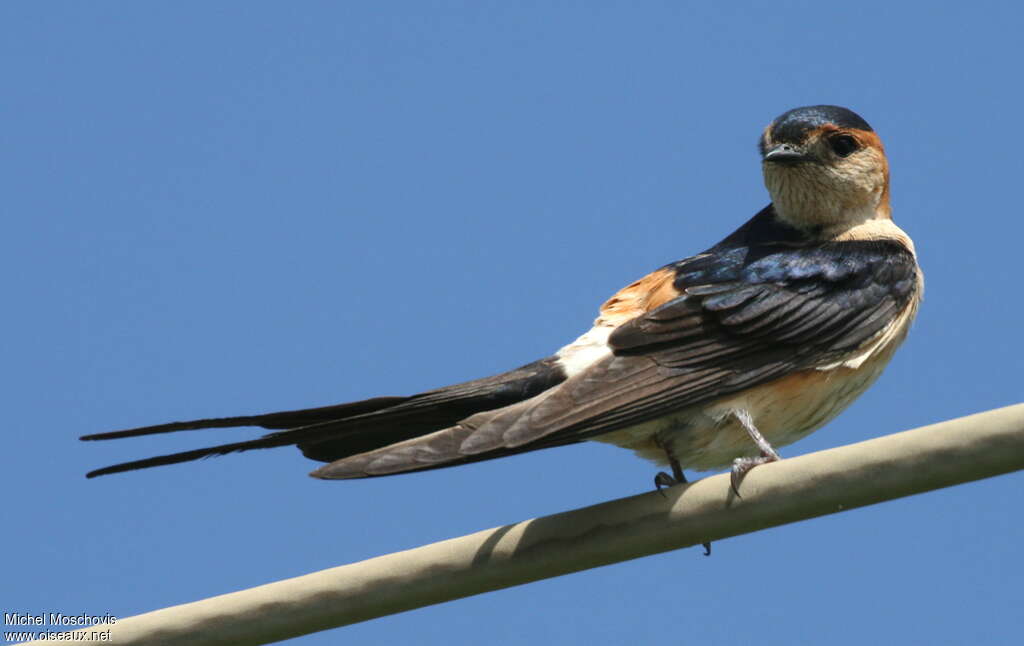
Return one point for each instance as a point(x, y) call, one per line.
point(786, 154)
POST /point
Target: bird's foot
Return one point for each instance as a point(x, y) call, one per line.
point(740, 467)
point(663, 479)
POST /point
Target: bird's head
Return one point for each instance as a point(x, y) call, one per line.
point(825, 168)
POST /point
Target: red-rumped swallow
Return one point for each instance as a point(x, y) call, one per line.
point(708, 362)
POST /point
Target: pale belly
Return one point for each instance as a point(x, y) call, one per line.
point(710, 437)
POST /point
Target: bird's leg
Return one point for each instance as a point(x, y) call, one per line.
point(663, 479)
point(740, 466)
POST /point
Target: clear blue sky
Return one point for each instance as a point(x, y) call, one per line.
point(234, 207)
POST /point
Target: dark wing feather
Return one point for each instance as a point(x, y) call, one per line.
point(784, 311)
point(334, 432)
point(747, 316)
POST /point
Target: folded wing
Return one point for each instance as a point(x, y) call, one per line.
point(744, 316)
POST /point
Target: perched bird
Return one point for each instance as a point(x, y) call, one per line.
point(708, 362)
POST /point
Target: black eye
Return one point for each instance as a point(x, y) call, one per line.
point(843, 145)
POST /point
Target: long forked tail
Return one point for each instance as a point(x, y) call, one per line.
point(330, 433)
point(187, 456)
point(284, 419)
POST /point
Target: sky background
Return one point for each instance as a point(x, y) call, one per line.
point(237, 207)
